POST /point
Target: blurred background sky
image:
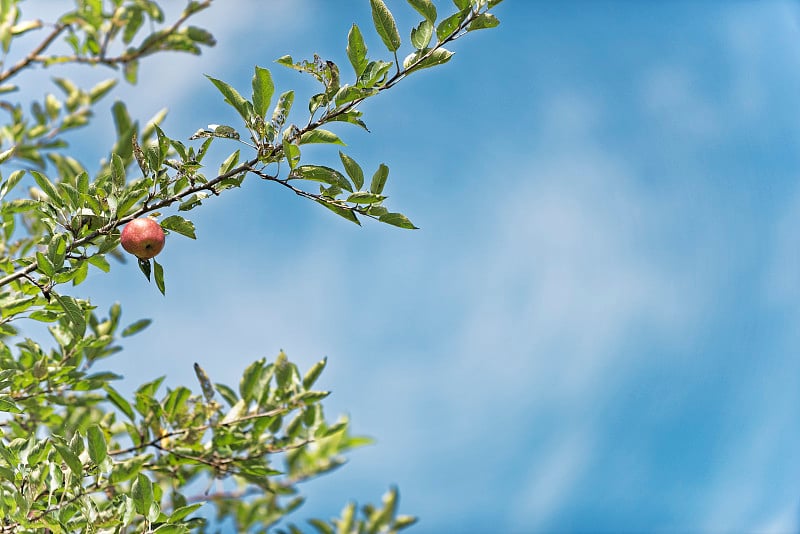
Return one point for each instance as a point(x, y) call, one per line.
point(595, 328)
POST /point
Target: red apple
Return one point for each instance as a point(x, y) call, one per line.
point(143, 238)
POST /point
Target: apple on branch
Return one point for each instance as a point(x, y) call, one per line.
point(143, 237)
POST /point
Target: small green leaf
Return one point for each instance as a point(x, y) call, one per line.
point(119, 401)
point(449, 25)
point(292, 153)
point(313, 373)
point(282, 108)
point(425, 8)
point(100, 262)
point(320, 173)
point(232, 97)
point(178, 224)
point(8, 405)
point(421, 35)
point(385, 25)
point(364, 197)
point(45, 265)
point(101, 89)
point(158, 274)
point(425, 58)
point(47, 186)
point(379, 179)
point(353, 170)
point(397, 219)
point(70, 458)
point(484, 20)
point(339, 210)
point(180, 513)
point(263, 88)
point(145, 267)
point(136, 327)
point(98, 448)
point(142, 493)
point(356, 50)
point(205, 383)
point(320, 136)
point(74, 314)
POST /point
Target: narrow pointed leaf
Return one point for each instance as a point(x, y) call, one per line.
point(397, 219)
point(98, 448)
point(425, 8)
point(178, 224)
point(263, 88)
point(421, 35)
point(484, 20)
point(158, 274)
point(379, 179)
point(353, 170)
point(385, 25)
point(232, 97)
point(356, 50)
point(320, 136)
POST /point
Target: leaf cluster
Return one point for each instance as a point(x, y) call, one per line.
point(75, 454)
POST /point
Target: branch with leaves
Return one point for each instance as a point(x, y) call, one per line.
point(75, 454)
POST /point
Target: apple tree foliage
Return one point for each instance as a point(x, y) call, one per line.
point(75, 454)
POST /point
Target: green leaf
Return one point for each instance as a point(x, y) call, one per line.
point(145, 267)
point(484, 20)
point(8, 405)
point(421, 35)
point(313, 373)
point(232, 97)
point(320, 173)
point(397, 219)
point(263, 88)
point(169, 528)
point(425, 58)
point(364, 197)
point(45, 265)
point(101, 89)
point(158, 274)
point(292, 153)
point(142, 493)
point(57, 251)
point(205, 383)
point(461, 4)
point(100, 262)
point(250, 378)
point(356, 50)
point(131, 71)
point(69, 457)
point(180, 513)
point(11, 182)
point(136, 327)
point(178, 224)
point(320, 136)
point(98, 448)
point(339, 210)
point(379, 179)
point(47, 186)
point(321, 526)
point(353, 169)
point(74, 314)
point(119, 401)
point(5, 155)
point(385, 25)
point(449, 25)
point(282, 109)
point(425, 8)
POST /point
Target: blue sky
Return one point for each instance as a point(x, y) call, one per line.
point(595, 328)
